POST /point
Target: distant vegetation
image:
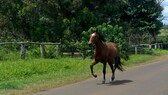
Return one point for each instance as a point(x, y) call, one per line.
point(163, 36)
point(65, 20)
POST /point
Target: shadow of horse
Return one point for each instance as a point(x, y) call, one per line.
point(117, 82)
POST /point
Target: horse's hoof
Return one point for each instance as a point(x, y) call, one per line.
point(95, 76)
point(112, 79)
point(103, 82)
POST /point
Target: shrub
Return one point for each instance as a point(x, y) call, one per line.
point(8, 52)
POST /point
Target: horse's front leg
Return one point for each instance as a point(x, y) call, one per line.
point(104, 73)
point(91, 68)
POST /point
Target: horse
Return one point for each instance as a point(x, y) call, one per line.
point(105, 52)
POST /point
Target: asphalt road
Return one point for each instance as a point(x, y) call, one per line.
point(150, 79)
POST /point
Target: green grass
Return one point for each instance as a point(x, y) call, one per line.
point(18, 75)
point(156, 51)
point(23, 77)
point(138, 59)
point(160, 51)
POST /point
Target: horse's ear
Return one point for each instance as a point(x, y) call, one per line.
point(97, 32)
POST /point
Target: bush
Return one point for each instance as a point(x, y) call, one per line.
point(33, 51)
point(162, 39)
point(9, 53)
point(52, 52)
point(12, 52)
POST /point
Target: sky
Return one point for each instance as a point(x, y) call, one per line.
point(165, 11)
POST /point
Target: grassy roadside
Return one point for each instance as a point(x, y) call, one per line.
point(156, 51)
point(24, 77)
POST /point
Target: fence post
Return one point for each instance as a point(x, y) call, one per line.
point(156, 45)
point(136, 49)
point(42, 50)
point(161, 45)
point(23, 51)
point(58, 48)
point(150, 46)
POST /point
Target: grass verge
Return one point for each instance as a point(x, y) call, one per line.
point(25, 77)
point(156, 51)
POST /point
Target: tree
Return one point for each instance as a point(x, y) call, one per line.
point(52, 20)
point(143, 16)
point(9, 17)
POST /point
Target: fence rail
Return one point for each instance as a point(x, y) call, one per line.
point(37, 43)
point(23, 48)
point(150, 46)
point(58, 45)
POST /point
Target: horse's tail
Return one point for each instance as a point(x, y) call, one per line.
point(119, 64)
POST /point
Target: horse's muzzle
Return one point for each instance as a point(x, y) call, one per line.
point(90, 44)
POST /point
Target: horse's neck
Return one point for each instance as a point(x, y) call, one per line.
point(99, 46)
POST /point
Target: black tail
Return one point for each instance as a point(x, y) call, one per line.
point(118, 64)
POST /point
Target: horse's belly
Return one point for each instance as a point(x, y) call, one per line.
point(105, 59)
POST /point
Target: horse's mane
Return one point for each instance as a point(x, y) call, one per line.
point(101, 37)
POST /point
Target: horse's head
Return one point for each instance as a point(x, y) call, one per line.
point(92, 39)
point(95, 37)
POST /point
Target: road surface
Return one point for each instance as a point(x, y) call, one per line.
point(150, 79)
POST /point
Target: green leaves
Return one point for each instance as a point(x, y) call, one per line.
point(143, 16)
point(52, 20)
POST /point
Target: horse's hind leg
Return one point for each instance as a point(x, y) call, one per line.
point(113, 71)
point(104, 73)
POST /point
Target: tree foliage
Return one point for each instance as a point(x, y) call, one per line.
point(52, 20)
point(143, 16)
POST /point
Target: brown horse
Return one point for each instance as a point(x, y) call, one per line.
point(105, 52)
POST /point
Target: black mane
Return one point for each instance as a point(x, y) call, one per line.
point(101, 37)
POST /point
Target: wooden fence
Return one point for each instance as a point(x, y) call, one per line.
point(150, 46)
point(23, 48)
point(58, 45)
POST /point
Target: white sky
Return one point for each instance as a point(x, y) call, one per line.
point(165, 11)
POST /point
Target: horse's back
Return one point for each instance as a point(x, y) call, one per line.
point(113, 49)
point(112, 46)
